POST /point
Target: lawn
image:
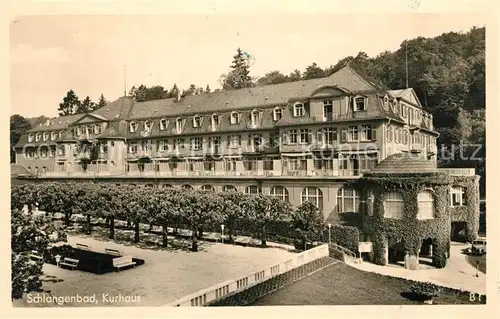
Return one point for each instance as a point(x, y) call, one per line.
point(471, 259)
point(341, 284)
point(166, 274)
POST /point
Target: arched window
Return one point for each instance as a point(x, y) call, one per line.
point(178, 124)
point(253, 189)
point(209, 188)
point(313, 195)
point(196, 121)
point(277, 114)
point(229, 188)
point(347, 200)
point(426, 207)
point(186, 186)
point(166, 185)
point(393, 205)
point(457, 197)
point(280, 192)
point(298, 109)
point(163, 124)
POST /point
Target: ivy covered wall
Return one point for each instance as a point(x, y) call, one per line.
point(409, 230)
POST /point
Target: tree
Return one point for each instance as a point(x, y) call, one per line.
point(239, 76)
point(29, 233)
point(207, 89)
point(308, 223)
point(273, 77)
point(313, 72)
point(295, 75)
point(69, 105)
point(102, 102)
point(18, 126)
point(85, 106)
point(173, 91)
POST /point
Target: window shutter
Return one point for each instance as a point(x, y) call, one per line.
point(228, 141)
point(373, 133)
point(239, 140)
point(343, 137)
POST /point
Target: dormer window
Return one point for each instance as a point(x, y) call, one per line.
point(97, 129)
point(38, 136)
point(386, 101)
point(133, 127)
point(255, 117)
point(298, 109)
point(178, 125)
point(277, 114)
point(60, 134)
point(360, 104)
point(53, 136)
point(45, 136)
point(30, 138)
point(235, 118)
point(215, 120)
point(147, 125)
point(196, 121)
point(163, 124)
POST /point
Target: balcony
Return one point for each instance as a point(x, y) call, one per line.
point(324, 147)
point(140, 154)
point(458, 171)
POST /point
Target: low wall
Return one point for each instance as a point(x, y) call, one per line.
point(230, 287)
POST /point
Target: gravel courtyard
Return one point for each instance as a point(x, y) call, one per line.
point(166, 275)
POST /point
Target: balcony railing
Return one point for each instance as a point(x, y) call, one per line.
point(458, 171)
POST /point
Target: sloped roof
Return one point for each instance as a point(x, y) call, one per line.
point(116, 110)
point(260, 96)
point(405, 162)
point(56, 123)
point(408, 95)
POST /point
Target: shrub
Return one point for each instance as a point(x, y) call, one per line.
point(425, 290)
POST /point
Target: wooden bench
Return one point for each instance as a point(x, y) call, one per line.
point(83, 247)
point(70, 262)
point(35, 256)
point(121, 262)
point(113, 252)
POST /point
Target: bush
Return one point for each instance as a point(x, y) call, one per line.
point(425, 290)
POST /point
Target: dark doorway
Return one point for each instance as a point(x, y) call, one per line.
point(458, 231)
point(396, 251)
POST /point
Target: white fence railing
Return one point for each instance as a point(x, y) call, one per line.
point(207, 295)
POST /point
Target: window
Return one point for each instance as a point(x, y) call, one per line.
point(296, 164)
point(30, 138)
point(395, 106)
point(103, 147)
point(53, 136)
point(328, 110)
point(78, 131)
point(178, 125)
point(38, 136)
point(277, 114)
point(280, 192)
point(197, 121)
point(347, 200)
point(298, 109)
point(132, 148)
point(366, 133)
point(208, 188)
point(234, 141)
point(133, 127)
point(163, 124)
point(457, 196)
point(393, 205)
point(353, 133)
point(186, 186)
point(229, 188)
point(426, 207)
point(253, 190)
point(304, 136)
point(254, 118)
point(329, 136)
point(215, 121)
point(343, 135)
point(388, 134)
point(97, 129)
point(147, 125)
point(386, 101)
point(45, 136)
point(196, 143)
point(162, 145)
point(396, 136)
point(52, 151)
point(360, 104)
point(313, 195)
point(292, 137)
point(179, 144)
point(235, 118)
point(61, 134)
point(43, 152)
point(60, 150)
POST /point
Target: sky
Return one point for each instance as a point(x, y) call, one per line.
point(50, 55)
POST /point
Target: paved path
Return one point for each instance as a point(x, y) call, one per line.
point(457, 274)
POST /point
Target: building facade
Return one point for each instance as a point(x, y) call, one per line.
point(298, 141)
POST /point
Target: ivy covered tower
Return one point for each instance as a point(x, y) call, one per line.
point(411, 207)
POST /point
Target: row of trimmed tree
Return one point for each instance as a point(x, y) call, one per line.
point(171, 207)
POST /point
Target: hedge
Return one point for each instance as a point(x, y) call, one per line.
point(251, 294)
